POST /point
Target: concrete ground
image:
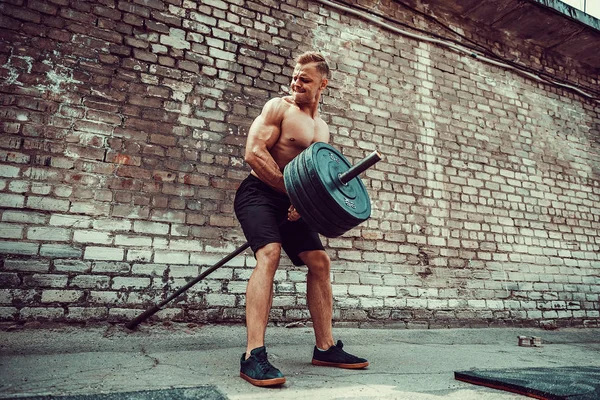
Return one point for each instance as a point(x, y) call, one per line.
point(405, 364)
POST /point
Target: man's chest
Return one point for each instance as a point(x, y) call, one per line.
point(302, 130)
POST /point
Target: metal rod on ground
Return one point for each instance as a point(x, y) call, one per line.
point(360, 167)
point(155, 308)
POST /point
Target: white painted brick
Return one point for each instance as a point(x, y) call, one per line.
point(369, 302)
point(11, 231)
point(106, 297)
point(8, 313)
point(27, 265)
point(131, 240)
point(139, 255)
point(39, 280)
point(211, 259)
point(357, 290)
point(42, 312)
point(346, 302)
point(171, 257)
point(149, 269)
point(185, 244)
point(60, 296)
point(103, 253)
point(11, 200)
point(102, 267)
point(47, 203)
point(21, 248)
point(71, 221)
point(90, 282)
point(130, 283)
point(72, 266)
point(416, 303)
point(92, 236)
point(56, 250)
point(48, 234)
point(27, 217)
point(87, 313)
point(226, 300)
point(155, 228)
point(9, 171)
point(112, 224)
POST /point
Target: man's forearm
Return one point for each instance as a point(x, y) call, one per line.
point(268, 171)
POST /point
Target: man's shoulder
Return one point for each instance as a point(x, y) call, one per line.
point(275, 109)
point(278, 101)
point(278, 104)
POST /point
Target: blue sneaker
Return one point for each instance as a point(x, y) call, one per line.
point(336, 357)
point(258, 370)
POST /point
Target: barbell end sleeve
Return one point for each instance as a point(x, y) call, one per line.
point(142, 317)
point(361, 166)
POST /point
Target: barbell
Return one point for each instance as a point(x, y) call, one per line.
point(327, 192)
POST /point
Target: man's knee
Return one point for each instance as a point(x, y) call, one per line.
point(318, 263)
point(268, 256)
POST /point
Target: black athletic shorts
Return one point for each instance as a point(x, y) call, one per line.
point(261, 211)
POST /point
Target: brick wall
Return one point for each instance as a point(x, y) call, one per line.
point(123, 125)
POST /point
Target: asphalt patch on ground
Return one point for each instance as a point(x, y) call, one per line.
point(201, 392)
point(563, 383)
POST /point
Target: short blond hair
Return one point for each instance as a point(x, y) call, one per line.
point(314, 57)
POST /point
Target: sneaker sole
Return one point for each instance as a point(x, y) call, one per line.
point(263, 382)
point(340, 365)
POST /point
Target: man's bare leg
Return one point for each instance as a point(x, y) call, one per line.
point(259, 295)
point(319, 296)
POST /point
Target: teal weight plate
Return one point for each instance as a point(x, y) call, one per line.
point(349, 201)
point(306, 203)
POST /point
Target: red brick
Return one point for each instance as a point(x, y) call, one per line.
point(222, 220)
point(156, 4)
point(145, 101)
point(178, 190)
point(125, 159)
point(160, 201)
point(84, 152)
point(164, 176)
point(107, 12)
point(124, 184)
point(53, 21)
point(60, 35)
point(193, 179)
point(123, 197)
point(149, 149)
point(120, 50)
point(20, 13)
point(133, 172)
point(42, 6)
point(141, 200)
point(130, 134)
point(145, 55)
point(107, 118)
point(106, 35)
point(133, 20)
point(158, 91)
point(80, 17)
point(156, 26)
point(93, 127)
point(34, 29)
point(162, 140)
point(133, 8)
point(167, 18)
point(9, 23)
point(226, 184)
